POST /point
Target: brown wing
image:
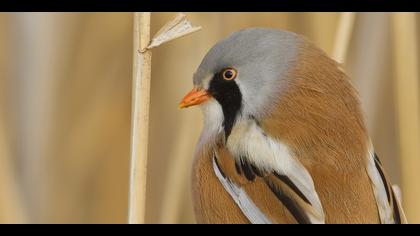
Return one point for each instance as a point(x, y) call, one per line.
point(340, 179)
point(319, 118)
point(273, 197)
point(212, 204)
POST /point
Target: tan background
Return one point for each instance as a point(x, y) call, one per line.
point(65, 101)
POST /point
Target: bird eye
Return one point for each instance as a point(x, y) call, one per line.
point(229, 74)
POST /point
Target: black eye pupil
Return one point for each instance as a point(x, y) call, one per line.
point(228, 74)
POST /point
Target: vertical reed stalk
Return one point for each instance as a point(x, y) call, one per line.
point(177, 28)
point(407, 97)
point(343, 36)
point(11, 202)
point(140, 117)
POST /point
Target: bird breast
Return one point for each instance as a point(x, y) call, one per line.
point(248, 140)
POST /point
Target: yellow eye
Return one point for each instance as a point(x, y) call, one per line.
point(229, 74)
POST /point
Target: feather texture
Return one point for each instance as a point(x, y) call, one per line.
point(247, 206)
point(249, 144)
point(389, 207)
point(306, 159)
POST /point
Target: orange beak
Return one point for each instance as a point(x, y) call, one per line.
point(194, 97)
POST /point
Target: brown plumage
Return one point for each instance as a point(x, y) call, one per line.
point(318, 117)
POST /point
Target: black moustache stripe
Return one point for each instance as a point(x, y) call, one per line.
point(229, 96)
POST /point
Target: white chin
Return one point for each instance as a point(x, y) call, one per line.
point(213, 120)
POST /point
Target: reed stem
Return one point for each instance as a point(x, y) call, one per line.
point(140, 117)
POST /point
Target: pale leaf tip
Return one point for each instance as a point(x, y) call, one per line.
point(174, 29)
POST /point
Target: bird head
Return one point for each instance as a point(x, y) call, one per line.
point(241, 76)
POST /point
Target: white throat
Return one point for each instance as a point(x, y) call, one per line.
point(213, 122)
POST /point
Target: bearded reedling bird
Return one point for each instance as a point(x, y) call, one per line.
point(284, 139)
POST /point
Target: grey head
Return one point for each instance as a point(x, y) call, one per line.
point(261, 58)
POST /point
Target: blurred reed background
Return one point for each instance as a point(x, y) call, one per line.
point(65, 106)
